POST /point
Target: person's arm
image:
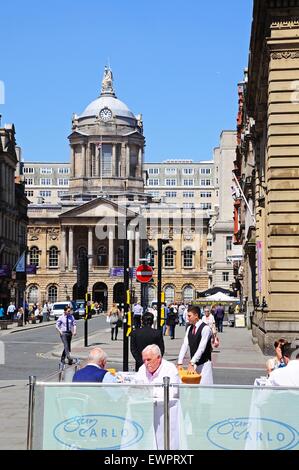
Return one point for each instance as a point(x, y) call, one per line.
point(206, 334)
point(58, 326)
point(184, 348)
point(109, 378)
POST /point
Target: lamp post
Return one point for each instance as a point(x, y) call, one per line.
point(161, 242)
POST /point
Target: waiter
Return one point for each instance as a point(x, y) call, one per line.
point(198, 340)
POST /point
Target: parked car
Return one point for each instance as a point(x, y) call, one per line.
point(58, 309)
point(78, 309)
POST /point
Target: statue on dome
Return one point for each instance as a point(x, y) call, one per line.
point(107, 82)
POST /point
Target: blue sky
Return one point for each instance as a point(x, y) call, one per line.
point(176, 62)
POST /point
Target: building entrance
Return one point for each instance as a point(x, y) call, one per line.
point(100, 294)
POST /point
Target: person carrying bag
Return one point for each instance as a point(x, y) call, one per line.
point(114, 316)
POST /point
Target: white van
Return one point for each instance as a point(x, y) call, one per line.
point(58, 309)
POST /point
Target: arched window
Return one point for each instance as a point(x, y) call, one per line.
point(151, 295)
point(150, 254)
point(34, 255)
point(33, 295)
point(188, 258)
point(169, 294)
point(102, 256)
point(120, 256)
point(188, 294)
point(169, 257)
point(52, 294)
point(53, 257)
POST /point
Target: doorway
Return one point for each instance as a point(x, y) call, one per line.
point(100, 294)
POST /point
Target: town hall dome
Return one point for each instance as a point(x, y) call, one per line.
point(107, 100)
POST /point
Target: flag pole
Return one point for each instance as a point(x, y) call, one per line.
point(101, 163)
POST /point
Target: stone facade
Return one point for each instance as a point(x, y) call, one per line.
point(270, 124)
point(13, 219)
point(106, 192)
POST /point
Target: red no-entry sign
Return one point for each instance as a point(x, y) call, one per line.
point(144, 273)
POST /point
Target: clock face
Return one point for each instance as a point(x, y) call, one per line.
point(105, 114)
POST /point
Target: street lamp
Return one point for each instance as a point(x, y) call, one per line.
point(161, 242)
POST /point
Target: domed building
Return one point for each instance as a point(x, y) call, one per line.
point(105, 204)
point(107, 146)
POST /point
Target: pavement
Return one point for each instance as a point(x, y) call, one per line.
point(236, 350)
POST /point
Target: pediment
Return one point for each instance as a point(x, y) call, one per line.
point(77, 134)
point(98, 208)
point(132, 134)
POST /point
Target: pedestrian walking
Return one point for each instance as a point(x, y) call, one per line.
point(66, 325)
point(114, 316)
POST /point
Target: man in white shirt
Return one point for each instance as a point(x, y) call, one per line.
point(286, 376)
point(153, 370)
point(198, 339)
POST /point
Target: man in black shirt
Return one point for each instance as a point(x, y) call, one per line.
point(142, 337)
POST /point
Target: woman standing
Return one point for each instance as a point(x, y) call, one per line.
point(114, 315)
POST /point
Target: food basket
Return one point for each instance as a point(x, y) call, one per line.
point(189, 377)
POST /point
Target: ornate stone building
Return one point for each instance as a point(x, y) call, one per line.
point(105, 203)
point(13, 218)
point(267, 166)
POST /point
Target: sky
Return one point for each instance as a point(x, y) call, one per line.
point(178, 62)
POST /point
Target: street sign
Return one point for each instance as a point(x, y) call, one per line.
point(144, 273)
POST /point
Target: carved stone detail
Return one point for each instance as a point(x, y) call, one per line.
point(151, 234)
point(285, 55)
point(282, 23)
point(188, 234)
point(53, 233)
point(34, 233)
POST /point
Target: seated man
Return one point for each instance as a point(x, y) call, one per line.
point(287, 376)
point(95, 370)
point(153, 370)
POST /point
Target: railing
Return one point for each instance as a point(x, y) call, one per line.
point(127, 416)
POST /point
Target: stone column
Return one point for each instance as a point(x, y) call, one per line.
point(111, 247)
point(123, 161)
point(90, 248)
point(88, 161)
point(113, 172)
point(71, 249)
point(131, 253)
point(137, 248)
point(139, 163)
point(97, 161)
point(83, 160)
point(62, 249)
point(73, 162)
point(127, 161)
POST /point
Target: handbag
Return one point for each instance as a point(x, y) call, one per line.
point(107, 319)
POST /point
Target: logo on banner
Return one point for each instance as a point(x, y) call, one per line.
point(256, 433)
point(98, 432)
